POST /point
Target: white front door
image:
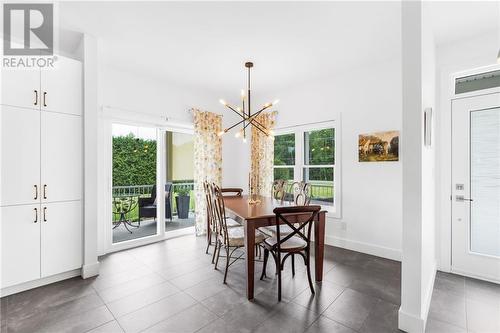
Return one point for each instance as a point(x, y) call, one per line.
point(476, 186)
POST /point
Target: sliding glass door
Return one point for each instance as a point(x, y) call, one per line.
point(134, 201)
point(179, 181)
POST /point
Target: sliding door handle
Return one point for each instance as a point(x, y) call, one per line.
point(45, 98)
point(44, 214)
point(36, 97)
point(45, 191)
point(36, 215)
point(36, 192)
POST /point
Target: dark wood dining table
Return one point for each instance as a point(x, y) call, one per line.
point(254, 216)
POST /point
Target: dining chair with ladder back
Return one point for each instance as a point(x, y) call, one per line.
point(211, 216)
point(296, 242)
point(229, 238)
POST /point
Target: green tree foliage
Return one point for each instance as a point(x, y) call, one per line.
point(319, 150)
point(134, 161)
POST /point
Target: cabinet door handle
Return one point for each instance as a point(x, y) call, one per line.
point(36, 192)
point(36, 215)
point(45, 191)
point(45, 98)
point(36, 97)
point(44, 214)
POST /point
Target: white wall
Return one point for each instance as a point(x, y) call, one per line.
point(419, 255)
point(452, 58)
point(368, 99)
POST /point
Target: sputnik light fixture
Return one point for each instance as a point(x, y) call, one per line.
point(245, 112)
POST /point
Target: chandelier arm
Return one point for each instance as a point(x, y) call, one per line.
point(257, 127)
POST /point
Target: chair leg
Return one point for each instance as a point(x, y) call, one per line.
point(293, 264)
point(308, 267)
point(278, 268)
point(209, 241)
point(218, 254)
point(215, 251)
point(264, 266)
point(227, 264)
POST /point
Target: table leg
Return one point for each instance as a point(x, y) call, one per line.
point(319, 246)
point(249, 256)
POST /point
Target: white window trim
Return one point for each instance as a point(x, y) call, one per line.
point(334, 211)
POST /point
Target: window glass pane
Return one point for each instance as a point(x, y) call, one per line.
point(319, 147)
point(321, 180)
point(485, 181)
point(134, 179)
point(283, 173)
point(284, 149)
point(477, 82)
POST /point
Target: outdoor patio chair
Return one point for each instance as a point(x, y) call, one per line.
point(147, 205)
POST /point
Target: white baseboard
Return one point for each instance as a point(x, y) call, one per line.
point(376, 250)
point(413, 323)
point(90, 270)
point(39, 282)
point(410, 323)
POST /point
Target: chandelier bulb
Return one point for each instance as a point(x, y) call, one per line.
point(223, 102)
point(276, 102)
point(221, 133)
point(244, 140)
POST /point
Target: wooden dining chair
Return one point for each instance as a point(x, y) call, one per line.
point(229, 238)
point(296, 242)
point(278, 190)
point(301, 193)
point(211, 217)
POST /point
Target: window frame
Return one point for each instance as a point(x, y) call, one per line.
point(298, 169)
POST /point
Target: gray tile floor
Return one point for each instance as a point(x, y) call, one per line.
point(462, 304)
point(171, 286)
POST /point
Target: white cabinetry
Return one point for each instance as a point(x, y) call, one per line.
point(41, 172)
point(20, 156)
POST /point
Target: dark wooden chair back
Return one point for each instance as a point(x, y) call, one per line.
point(303, 230)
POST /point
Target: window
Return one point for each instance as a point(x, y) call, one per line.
point(308, 153)
point(284, 156)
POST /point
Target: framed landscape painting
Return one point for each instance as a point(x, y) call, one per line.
point(379, 147)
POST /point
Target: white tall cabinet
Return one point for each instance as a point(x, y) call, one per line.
point(41, 149)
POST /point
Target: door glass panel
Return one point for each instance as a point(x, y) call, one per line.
point(179, 210)
point(485, 181)
point(134, 203)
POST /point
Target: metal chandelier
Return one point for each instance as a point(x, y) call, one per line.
point(245, 112)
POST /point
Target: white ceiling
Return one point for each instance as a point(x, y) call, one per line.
point(456, 20)
point(205, 44)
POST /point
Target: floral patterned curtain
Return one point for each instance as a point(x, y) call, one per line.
point(262, 154)
point(207, 161)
